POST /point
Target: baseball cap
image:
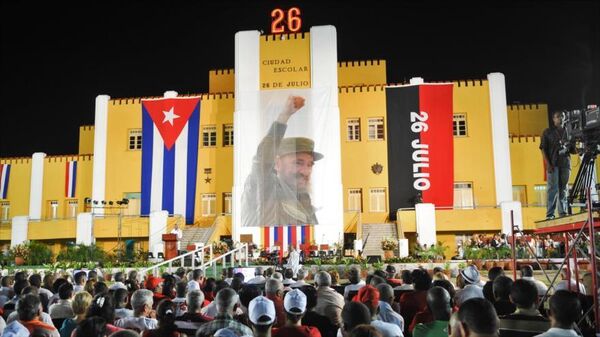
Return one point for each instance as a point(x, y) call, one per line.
point(470, 274)
point(259, 307)
point(225, 332)
point(295, 302)
point(367, 295)
point(152, 282)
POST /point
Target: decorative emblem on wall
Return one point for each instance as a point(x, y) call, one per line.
point(207, 171)
point(377, 168)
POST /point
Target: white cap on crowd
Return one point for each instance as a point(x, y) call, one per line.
point(295, 302)
point(259, 307)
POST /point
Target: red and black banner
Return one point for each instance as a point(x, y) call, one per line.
point(420, 146)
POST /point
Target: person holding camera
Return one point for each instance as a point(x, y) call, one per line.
point(556, 151)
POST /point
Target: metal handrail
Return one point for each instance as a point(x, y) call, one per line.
point(182, 258)
point(213, 261)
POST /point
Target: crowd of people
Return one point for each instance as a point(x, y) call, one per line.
point(528, 246)
point(275, 303)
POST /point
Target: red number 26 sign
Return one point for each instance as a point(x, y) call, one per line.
point(285, 22)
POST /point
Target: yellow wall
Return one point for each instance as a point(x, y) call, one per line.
point(527, 119)
point(473, 157)
point(217, 110)
point(361, 73)
point(221, 80)
point(86, 139)
point(123, 166)
point(54, 183)
point(359, 156)
point(18, 187)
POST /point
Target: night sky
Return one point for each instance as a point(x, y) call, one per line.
point(56, 58)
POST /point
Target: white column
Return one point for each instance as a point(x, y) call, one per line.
point(100, 138)
point(85, 233)
point(156, 228)
point(507, 207)
point(324, 75)
point(500, 142)
point(20, 226)
point(247, 94)
point(37, 184)
point(426, 227)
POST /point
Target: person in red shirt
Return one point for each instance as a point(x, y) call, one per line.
point(154, 284)
point(416, 301)
point(295, 307)
point(274, 292)
point(29, 311)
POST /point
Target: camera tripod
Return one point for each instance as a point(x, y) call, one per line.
point(584, 179)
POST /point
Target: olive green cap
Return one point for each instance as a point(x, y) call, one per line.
point(298, 145)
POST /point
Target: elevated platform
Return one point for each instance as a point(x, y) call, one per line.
point(570, 223)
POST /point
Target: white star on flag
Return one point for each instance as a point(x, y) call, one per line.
point(169, 116)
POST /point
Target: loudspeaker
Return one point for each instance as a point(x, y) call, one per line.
point(373, 258)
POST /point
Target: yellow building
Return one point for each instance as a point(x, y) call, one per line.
point(38, 190)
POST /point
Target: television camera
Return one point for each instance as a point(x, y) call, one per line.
point(582, 132)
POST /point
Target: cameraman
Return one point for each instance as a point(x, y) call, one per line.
point(556, 151)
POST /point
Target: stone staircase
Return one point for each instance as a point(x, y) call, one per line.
point(195, 234)
point(376, 233)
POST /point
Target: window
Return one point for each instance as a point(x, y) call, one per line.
point(355, 199)
point(72, 208)
point(135, 139)
point(377, 199)
point(4, 210)
point(376, 128)
point(227, 203)
point(353, 125)
point(520, 194)
point(208, 204)
point(209, 136)
point(227, 135)
point(53, 209)
point(541, 196)
point(134, 206)
point(459, 125)
point(463, 195)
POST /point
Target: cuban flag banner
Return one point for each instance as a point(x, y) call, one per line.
point(4, 176)
point(284, 236)
point(70, 178)
point(170, 131)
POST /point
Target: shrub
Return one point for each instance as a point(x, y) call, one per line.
point(39, 253)
point(82, 254)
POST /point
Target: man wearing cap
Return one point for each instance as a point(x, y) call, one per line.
point(294, 304)
point(277, 190)
point(470, 280)
point(261, 312)
point(369, 296)
point(154, 284)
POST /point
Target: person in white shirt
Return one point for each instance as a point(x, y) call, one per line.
point(119, 278)
point(63, 308)
point(293, 260)
point(180, 300)
point(80, 278)
point(121, 304)
point(565, 309)
point(258, 277)
point(197, 277)
point(142, 319)
point(35, 280)
point(177, 231)
point(527, 274)
point(300, 279)
point(355, 282)
point(564, 284)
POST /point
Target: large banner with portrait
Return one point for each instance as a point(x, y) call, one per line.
point(288, 150)
point(420, 145)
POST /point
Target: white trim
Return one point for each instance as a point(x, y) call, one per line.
point(324, 76)
point(84, 234)
point(36, 186)
point(500, 142)
point(180, 179)
point(247, 92)
point(100, 138)
point(157, 170)
point(426, 226)
point(18, 234)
